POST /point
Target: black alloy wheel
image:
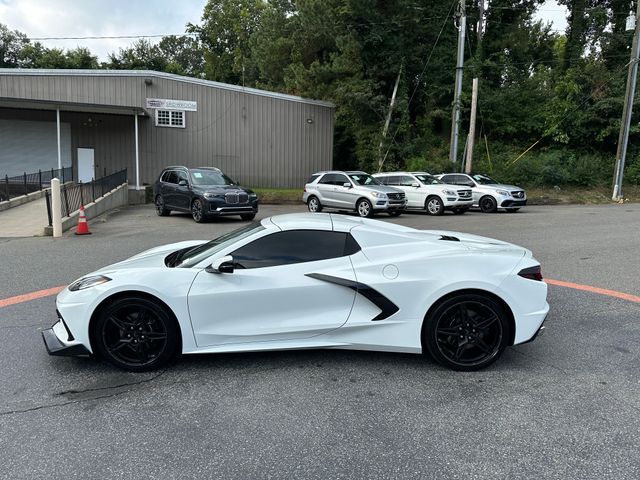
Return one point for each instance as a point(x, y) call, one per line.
point(434, 206)
point(161, 210)
point(467, 332)
point(488, 204)
point(135, 334)
point(248, 216)
point(364, 208)
point(314, 205)
point(197, 210)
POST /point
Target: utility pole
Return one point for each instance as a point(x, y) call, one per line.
point(455, 117)
point(472, 126)
point(381, 159)
point(623, 139)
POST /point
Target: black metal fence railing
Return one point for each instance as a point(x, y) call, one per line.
point(27, 183)
point(72, 196)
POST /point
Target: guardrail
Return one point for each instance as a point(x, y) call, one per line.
point(72, 196)
point(27, 183)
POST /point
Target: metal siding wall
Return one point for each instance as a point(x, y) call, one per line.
point(259, 140)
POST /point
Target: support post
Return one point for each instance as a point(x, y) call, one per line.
point(135, 122)
point(58, 137)
point(623, 139)
point(455, 117)
point(472, 127)
point(56, 207)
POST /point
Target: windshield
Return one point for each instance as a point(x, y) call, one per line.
point(484, 180)
point(364, 179)
point(210, 177)
point(201, 252)
point(428, 179)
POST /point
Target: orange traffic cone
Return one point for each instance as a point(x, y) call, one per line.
point(83, 226)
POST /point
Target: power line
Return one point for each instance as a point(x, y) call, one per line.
point(112, 37)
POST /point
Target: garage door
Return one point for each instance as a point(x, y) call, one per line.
point(29, 146)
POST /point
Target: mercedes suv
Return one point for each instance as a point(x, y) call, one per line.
point(488, 194)
point(355, 191)
point(204, 192)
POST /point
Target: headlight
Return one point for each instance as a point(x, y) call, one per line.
point(88, 282)
point(379, 195)
point(209, 195)
point(504, 193)
point(253, 195)
point(449, 192)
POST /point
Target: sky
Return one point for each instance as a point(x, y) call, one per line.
point(81, 18)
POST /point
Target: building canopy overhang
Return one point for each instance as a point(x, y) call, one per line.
point(71, 107)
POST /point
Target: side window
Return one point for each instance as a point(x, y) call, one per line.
point(294, 246)
point(341, 179)
point(313, 177)
point(464, 180)
point(182, 175)
point(450, 179)
point(328, 179)
point(384, 180)
point(392, 180)
point(407, 181)
point(165, 176)
point(172, 177)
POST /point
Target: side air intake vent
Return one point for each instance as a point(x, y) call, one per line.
point(449, 238)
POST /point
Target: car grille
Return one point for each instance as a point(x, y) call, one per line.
point(395, 196)
point(517, 194)
point(464, 193)
point(236, 197)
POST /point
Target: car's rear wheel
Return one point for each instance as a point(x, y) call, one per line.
point(488, 204)
point(434, 206)
point(364, 208)
point(136, 334)
point(314, 205)
point(248, 216)
point(161, 209)
point(467, 332)
point(197, 211)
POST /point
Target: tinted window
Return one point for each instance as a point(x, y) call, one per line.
point(172, 177)
point(313, 177)
point(450, 179)
point(165, 176)
point(182, 175)
point(334, 179)
point(406, 181)
point(296, 246)
point(392, 180)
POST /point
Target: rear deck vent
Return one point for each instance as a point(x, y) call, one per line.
point(449, 238)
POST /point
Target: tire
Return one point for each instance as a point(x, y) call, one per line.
point(512, 210)
point(459, 211)
point(364, 208)
point(197, 211)
point(248, 216)
point(488, 204)
point(136, 334)
point(161, 210)
point(466, 332)
point(434, 206)
point(314, 205)
point(395, 213)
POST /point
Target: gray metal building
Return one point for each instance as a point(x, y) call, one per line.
point(105, 120)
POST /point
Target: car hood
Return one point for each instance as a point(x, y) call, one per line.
point(152, 258)
point(501, 186)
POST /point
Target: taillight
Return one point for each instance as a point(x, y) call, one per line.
point(532, 273)
point(305, 188)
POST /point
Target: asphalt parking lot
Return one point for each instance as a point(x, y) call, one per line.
point(565, 406)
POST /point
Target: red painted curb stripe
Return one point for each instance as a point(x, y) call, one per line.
point(588, 288)
point(31, 296)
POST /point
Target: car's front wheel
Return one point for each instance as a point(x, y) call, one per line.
point(135, 333)
point(314, 205)
point(161, 209)
point(466, 332)
point(197, 211)
point(488, 204)
point(364, 208)
point(434, 206)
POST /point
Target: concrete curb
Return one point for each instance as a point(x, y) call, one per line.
point(117, 197)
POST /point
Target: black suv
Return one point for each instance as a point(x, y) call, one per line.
point(204, 192)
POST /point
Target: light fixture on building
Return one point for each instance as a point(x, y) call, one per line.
point(148, 82)
point(309, 121)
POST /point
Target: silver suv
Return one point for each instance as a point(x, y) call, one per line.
point(356, 191)
point(488, 194)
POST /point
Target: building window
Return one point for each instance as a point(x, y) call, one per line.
point(170, 118)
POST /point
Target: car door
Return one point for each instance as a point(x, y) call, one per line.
point(345, 196)
point(168, 188)
point(183, 192)
point(415, 195)
point(326, 189)
point(270, 295)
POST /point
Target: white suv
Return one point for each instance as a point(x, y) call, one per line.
point(356, 191)
point(426, 192)
point(489, 195)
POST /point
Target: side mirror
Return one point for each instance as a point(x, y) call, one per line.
point(346, 184)
point(415, 185)
point(183, 183)
point(221, 265)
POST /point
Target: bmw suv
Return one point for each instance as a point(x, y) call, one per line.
point(204, 192)
point(355, 191)
point(488, 194)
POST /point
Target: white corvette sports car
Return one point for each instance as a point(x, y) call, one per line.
point(308, 281)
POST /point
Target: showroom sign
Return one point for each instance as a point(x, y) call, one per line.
point(168, 104)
